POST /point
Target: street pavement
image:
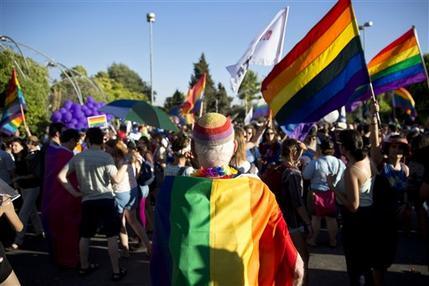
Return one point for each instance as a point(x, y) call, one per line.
point(327, 266)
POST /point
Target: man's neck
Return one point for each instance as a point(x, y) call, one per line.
point(56, 140)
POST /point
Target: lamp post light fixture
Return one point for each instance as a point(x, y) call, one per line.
point(150, 17)
point(362, 28)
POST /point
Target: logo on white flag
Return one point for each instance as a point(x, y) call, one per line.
point(264, 50)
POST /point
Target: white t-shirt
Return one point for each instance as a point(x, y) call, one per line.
point(94, 169)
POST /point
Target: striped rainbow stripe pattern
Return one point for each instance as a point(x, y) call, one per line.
point(194, 94)
point(220, 232)
point(12, 116)
point(402, 99)
point(213, 129)
point(323, 72)
point(397, 65)
point(97, 121)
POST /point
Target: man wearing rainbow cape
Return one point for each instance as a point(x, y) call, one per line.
point(218, 227)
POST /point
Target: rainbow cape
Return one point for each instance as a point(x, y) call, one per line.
point(397, 65)
point(323, 72)
point(13, 99)
point(222, 232)
point(402, 99)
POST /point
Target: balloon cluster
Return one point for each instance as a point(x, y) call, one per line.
point(74, 115)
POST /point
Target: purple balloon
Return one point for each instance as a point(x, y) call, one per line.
point(68, 103)
point(63, 110)
point(73, 121)
point(67, 117)
point(56, 115)
point(90, 99)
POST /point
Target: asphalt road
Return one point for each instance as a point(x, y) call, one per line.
point(327, 266)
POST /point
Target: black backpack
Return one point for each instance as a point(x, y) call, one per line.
point(146, 175)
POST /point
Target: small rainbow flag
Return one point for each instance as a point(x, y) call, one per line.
point(397, 65)
point(323, 72)
point(193, 94)
point(220, 232)
point(402, 99)
point(13, 104)
point(97, 121)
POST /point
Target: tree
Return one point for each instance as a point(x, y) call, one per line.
point(220, 102)
point(34, 85)
point(175, 100)
point(213, 99)
point(128, 78)
point(115, 90)
point(249, 89)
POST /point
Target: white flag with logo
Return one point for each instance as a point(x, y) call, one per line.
point(266, 49)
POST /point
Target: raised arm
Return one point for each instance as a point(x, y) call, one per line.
point(376, 154)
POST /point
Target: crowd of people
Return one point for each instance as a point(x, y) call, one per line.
point(363, 181)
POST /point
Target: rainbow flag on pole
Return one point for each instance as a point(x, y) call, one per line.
point(398, 65)
point(220, 232)
point(402, 99)
point(13, 104)
point(194, 94)
point(322, 73)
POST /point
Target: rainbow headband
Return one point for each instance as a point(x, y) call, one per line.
point(213, 129)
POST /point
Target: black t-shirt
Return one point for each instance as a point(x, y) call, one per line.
point(290, 196)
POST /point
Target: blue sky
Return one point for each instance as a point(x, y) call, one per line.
point(97, 33)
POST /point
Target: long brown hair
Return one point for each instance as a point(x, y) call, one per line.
point(119, 149)
point(240, 153)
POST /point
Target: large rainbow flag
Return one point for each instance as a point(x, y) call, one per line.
point(194, 94)
point(402, 99)
point(220, 232)
point(397, 65)
point(13, 99)
point(323, 72)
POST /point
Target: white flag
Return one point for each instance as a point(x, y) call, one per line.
point(249, 116)
point(266, 49)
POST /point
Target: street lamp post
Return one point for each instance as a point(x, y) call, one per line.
point(151, 19)
point(362, 28)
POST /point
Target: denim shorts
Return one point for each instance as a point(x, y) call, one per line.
point(126, 200)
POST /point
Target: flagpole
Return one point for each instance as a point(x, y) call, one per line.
point(25, 121)
point(421, 56)
point(377, 114)
point(392, 94)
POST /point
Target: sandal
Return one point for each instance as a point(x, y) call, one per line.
point(91, 268)
point(120, 275)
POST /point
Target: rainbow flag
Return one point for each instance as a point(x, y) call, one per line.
point(97, 121)
point(402, 99)
point(220, 232)
point(323, 72)
point(397, 65)
point(193, 94)
point(13, 99)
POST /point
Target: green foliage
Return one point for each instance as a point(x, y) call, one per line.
point(214, 99)
point(115, 90)
point(249, 89)
point(220, 102)
point(175, 100)
point(34, 85)
point(128, 78)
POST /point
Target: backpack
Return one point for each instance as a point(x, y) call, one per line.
point(146, 175)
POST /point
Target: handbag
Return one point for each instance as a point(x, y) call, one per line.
point(324, 203)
